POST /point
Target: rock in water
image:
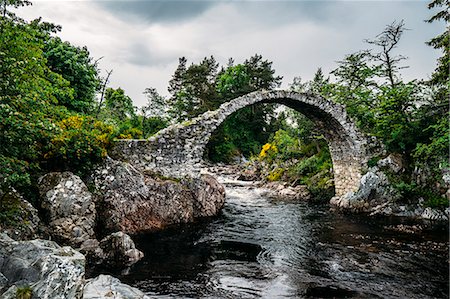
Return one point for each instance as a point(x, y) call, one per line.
point(51, 271)
point(70, 207)
point(210, 196)
point(374, 189)
point(119, 250)
point(133, 202)
point(105, 286)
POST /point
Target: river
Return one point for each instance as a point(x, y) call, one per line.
point(263, 248)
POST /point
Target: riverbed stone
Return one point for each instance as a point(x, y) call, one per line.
point(51, 271)
point(70, 207)
point(106, 286)
point(119, 250)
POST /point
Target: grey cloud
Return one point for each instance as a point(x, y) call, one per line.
point(141, 54)
point(156, 11)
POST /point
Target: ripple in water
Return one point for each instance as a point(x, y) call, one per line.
point(260, 248)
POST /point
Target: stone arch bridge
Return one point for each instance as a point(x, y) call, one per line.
point(177, 151)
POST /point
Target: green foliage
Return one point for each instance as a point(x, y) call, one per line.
point(24, 292)
point(118, 106)
point(441, 74)
point(153, 125)
point(298, 155)
point(10, 210)
point(232, 81)
point(394, 122)
point(435, 151)
point(411, 192)
point(373, 161)
point(37, 130)
point(75, 65)
point(435, 201)
point(29, 92)
point(245, 131)
point(80, 142)
point(193, 89)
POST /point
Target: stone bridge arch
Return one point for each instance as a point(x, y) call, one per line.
point(177, 150)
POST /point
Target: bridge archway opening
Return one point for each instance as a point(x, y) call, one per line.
point(346, 144)
point(178, 150)
point(248, 142)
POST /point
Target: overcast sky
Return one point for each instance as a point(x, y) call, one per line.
point(142, 40)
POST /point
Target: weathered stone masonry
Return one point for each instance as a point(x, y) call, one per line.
point(177, 151)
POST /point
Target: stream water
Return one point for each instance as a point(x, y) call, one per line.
point(263, 248)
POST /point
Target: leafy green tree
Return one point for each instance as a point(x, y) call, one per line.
point(154, 114)
point(28, 93)
point(432, 151)
point(193, 89)
point(246, 130)
point(395, 121)
point(318, 85)
point(118, 111)
point(118, 105)
point(77, 67)
point(5, 14)
point(31, 117)
point(441, 75)
point(356, 86)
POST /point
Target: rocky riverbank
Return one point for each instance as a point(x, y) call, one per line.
point(376, 194)
point(94, 220)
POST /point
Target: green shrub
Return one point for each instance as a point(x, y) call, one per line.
point(24, 292)
point(10, 211)
point(80, 143)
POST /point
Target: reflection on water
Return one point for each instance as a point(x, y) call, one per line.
point(258, 248)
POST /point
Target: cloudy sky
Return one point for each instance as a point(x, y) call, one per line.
point(142, 40)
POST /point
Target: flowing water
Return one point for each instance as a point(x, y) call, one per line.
point(263, 248)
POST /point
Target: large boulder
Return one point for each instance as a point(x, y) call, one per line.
point(374, 189)
point(50, 271)
point(209, 198)
point(70, 207)
point(22, 221)
point(105, 286)
point(133, 202)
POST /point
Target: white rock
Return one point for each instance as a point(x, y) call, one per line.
point(106, 286)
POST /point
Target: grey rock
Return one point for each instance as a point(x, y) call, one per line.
point(50, 270)
point(3, 282)
point(70, 207)
point(119, 250)
point(374, 193)
point(392, 162)
point(434, 214)
point(92, 251)
point(105, 286)
point(210, 196)
point(283, 191)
